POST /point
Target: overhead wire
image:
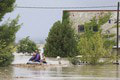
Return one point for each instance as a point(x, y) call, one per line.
point(40, 7)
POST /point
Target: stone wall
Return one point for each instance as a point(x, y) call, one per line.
point(79, 17)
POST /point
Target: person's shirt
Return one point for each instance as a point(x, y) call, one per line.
point(37, 58)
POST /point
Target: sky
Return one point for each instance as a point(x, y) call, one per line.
point(37, 22)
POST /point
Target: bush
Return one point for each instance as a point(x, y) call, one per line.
point(74, 60)
point(92, 48)
point(6, 57)
point(26, 45)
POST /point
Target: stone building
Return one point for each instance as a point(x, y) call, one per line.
point(79, 17)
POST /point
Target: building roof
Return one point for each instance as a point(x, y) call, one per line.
point(90, 10)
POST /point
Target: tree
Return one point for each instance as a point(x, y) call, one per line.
point(5, 7)
point(7, 33)
point(61, 40)
point(92, 48)
point(26, 45)
point(93, 44)
point(7, 39)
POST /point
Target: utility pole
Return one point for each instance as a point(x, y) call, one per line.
point(117, 58)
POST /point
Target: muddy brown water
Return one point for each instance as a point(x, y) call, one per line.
point(81, 72)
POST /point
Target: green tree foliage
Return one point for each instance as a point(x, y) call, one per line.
point(26, 45)
point(93, 44)
point(61, 40)
point(5, 7)
point(6, 56)
point(92, 48)
point(7, 33)
point(7, 38)
point(65, 17)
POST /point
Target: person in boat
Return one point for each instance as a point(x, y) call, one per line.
point(43, 60)
point(35, 57)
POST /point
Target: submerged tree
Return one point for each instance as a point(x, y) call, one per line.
point(92, 48)
point(7, 39)
point(93, 44)
point(61, 40)
point(26, 45)
point(7, 33)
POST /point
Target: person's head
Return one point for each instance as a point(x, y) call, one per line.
point(34, 54)
point(36, 51)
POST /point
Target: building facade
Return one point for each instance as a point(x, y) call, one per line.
point(79, 17)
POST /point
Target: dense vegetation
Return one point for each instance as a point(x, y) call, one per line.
point(94, 44)
point(5, 7)
point(61, 39)
point(7, 33)
point(26, 46)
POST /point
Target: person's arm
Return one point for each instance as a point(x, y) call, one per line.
point(32, 58)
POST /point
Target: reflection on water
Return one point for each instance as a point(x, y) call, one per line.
point(83, 72)
point(6, 73)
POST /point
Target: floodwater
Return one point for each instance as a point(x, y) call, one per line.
point(68, 72)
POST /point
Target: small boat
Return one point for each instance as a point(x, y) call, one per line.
point(41, 62)
point(31, 62)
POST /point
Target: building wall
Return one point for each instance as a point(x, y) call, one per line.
point(79, 17)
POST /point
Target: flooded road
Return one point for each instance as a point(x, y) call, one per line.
point(82, 72)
